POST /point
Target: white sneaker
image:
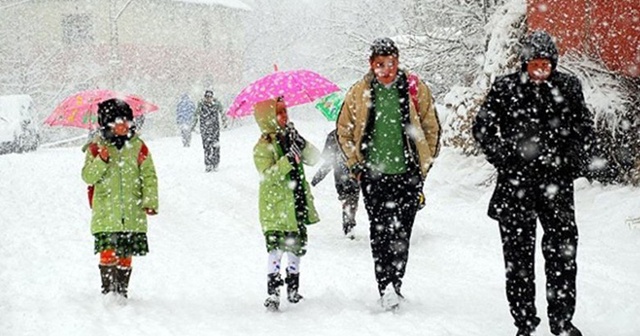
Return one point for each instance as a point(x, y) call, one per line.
point(390, 300)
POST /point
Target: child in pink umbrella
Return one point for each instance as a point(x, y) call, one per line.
point(124, 191)
point(285, 200)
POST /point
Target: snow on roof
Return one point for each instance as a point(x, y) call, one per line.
point(13, 110)
point(237, 4)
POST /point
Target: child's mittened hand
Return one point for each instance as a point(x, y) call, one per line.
point(104, 153)
point(150, 212)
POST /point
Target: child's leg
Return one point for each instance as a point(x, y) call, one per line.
point(273, 263)
point(293, 263)
point(293, 278)
point(123, 274)
point(274, 281)
point(108, 262)
point(349, 208)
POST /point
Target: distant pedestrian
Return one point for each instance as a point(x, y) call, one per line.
point(346, 185)
point(208, 113)
point(185, 118)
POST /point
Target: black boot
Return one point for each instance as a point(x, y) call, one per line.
point(293, 284)
point(529, 327)
point(108, 277)
point(123, 274)
point(565, 329)
point(273, 289)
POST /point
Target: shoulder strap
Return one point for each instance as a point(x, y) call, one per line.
point(142, 155)
point(93, 148)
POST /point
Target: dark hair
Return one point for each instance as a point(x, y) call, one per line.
point(208, 93)
point(383, 46)
point(110, 110)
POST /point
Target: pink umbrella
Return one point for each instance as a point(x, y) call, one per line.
point(81, 109)
point(296, 86)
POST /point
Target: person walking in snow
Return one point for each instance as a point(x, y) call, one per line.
point(285, 200)
point(185, 118)
point(208, 112)
point(346, 185)
point(124, 191)
point(534, 127)
point(389, 132)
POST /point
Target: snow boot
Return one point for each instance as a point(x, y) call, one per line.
point(526, 331)
point(108, 277)
point(347, 228)
point(529, 328)
point(293, 283)
point(273, 289)
point(390, 299)
point(123, 274)
point(566, 329)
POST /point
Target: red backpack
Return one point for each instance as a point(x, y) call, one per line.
point(413, 90)
point(94, 149)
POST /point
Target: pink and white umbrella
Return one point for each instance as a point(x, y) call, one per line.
point(81, 109)
point(296, 86)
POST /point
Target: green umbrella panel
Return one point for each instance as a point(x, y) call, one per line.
point(330, 105)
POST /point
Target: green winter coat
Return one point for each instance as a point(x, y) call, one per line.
point(123, 188)
point(276, 199)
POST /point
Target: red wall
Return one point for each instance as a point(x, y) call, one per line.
point(608, 29)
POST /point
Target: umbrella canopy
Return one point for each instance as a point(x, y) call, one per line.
point(81, 109)
point(296, 86)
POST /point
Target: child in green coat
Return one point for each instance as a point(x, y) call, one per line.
point(123, 191)
point(285, 200)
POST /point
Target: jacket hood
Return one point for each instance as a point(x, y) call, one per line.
point(265, 114)
point(539, 44)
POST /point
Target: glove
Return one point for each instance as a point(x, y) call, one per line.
point(294, 153)
point(103, 152)
point(150, 212)
point(356, 171)
point(295, 137)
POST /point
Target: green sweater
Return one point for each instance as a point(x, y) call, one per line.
point(386, 154)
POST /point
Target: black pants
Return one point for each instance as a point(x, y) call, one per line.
point(211, 146)
point(559, 247)
point(391, 202)
point(349, 209)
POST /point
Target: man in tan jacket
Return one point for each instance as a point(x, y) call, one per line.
point(389, 132)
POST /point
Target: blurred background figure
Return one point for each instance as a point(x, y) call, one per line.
point(346, 186)
point(208, 113)
point(184, 118)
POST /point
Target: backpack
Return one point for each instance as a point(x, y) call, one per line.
point(94, 149)
point(413, 90)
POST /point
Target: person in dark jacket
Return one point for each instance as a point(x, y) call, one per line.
point(185, 118)
point(346, 185)
point(208, 112)
point(534, 127)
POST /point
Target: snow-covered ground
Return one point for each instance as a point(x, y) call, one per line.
point(205, 274)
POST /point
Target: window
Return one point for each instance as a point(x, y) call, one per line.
point(77, 29)
point(206, 34)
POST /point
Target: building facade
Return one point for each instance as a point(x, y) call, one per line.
point(158, 49)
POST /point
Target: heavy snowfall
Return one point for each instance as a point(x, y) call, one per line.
point(205, 273)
